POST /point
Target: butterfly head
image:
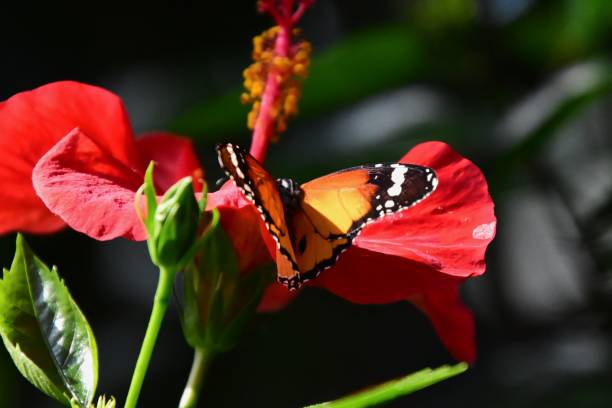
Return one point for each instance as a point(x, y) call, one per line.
point(291, 193)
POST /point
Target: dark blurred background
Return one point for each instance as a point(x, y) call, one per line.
point(522, 87)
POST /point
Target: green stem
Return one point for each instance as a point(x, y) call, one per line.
point(201, 361)
point(160, 304)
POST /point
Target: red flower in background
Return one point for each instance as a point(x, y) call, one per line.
point(69, 157)
point(420, 254)
point(75, 143)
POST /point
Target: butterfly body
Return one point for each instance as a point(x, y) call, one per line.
point(291, 193)
point(315, 222)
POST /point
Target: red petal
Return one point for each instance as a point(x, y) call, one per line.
point(424, 252)
point(452, 321)
point(89, 189)
point(241, 221)
point(22, 212)
point(275, 298)
point(174, 156)
point(449, 231)
point(366, 277)
point(31, 123)
point(363, 276)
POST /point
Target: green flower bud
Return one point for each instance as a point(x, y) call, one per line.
point(176, 224)
point(172, 224)
point(218, 301)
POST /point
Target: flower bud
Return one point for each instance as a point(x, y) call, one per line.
point(218, 301)
point(173, 224)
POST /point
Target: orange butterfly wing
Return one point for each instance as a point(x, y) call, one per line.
point(340, 204)
point(331, 211)
point(259, 187)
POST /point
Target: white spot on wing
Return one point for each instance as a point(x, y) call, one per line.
point(232, 154)
point(398, 177)
point(389, 203)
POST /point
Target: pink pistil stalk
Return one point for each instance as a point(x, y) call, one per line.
point(266, 124)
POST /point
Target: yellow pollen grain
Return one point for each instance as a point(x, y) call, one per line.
point(299, 69)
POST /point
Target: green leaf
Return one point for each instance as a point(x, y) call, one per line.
point(550, 108)
point(45, 332)
point(395, 388)
point(360, 65)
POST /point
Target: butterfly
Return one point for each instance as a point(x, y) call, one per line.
point(315, 222)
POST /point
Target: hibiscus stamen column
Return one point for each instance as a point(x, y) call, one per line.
point(273, 81)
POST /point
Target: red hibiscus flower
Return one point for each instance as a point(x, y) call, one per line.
point(69, 157)
point(420, 254)
point(423, 253)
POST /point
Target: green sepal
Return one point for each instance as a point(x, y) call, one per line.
point(205, 282)
point(151, 196)
point(248, 294)
point(203, 198)
point(45, 332)
point(149, 220)
point(106, 403)
point(101, 403)
point(218, 301)
point(395, 388)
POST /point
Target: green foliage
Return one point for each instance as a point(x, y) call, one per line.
point(560, 32)
point(45, 332)
point(577, 88)
point(444, 13)
point(396, 388)
point(356, 67)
